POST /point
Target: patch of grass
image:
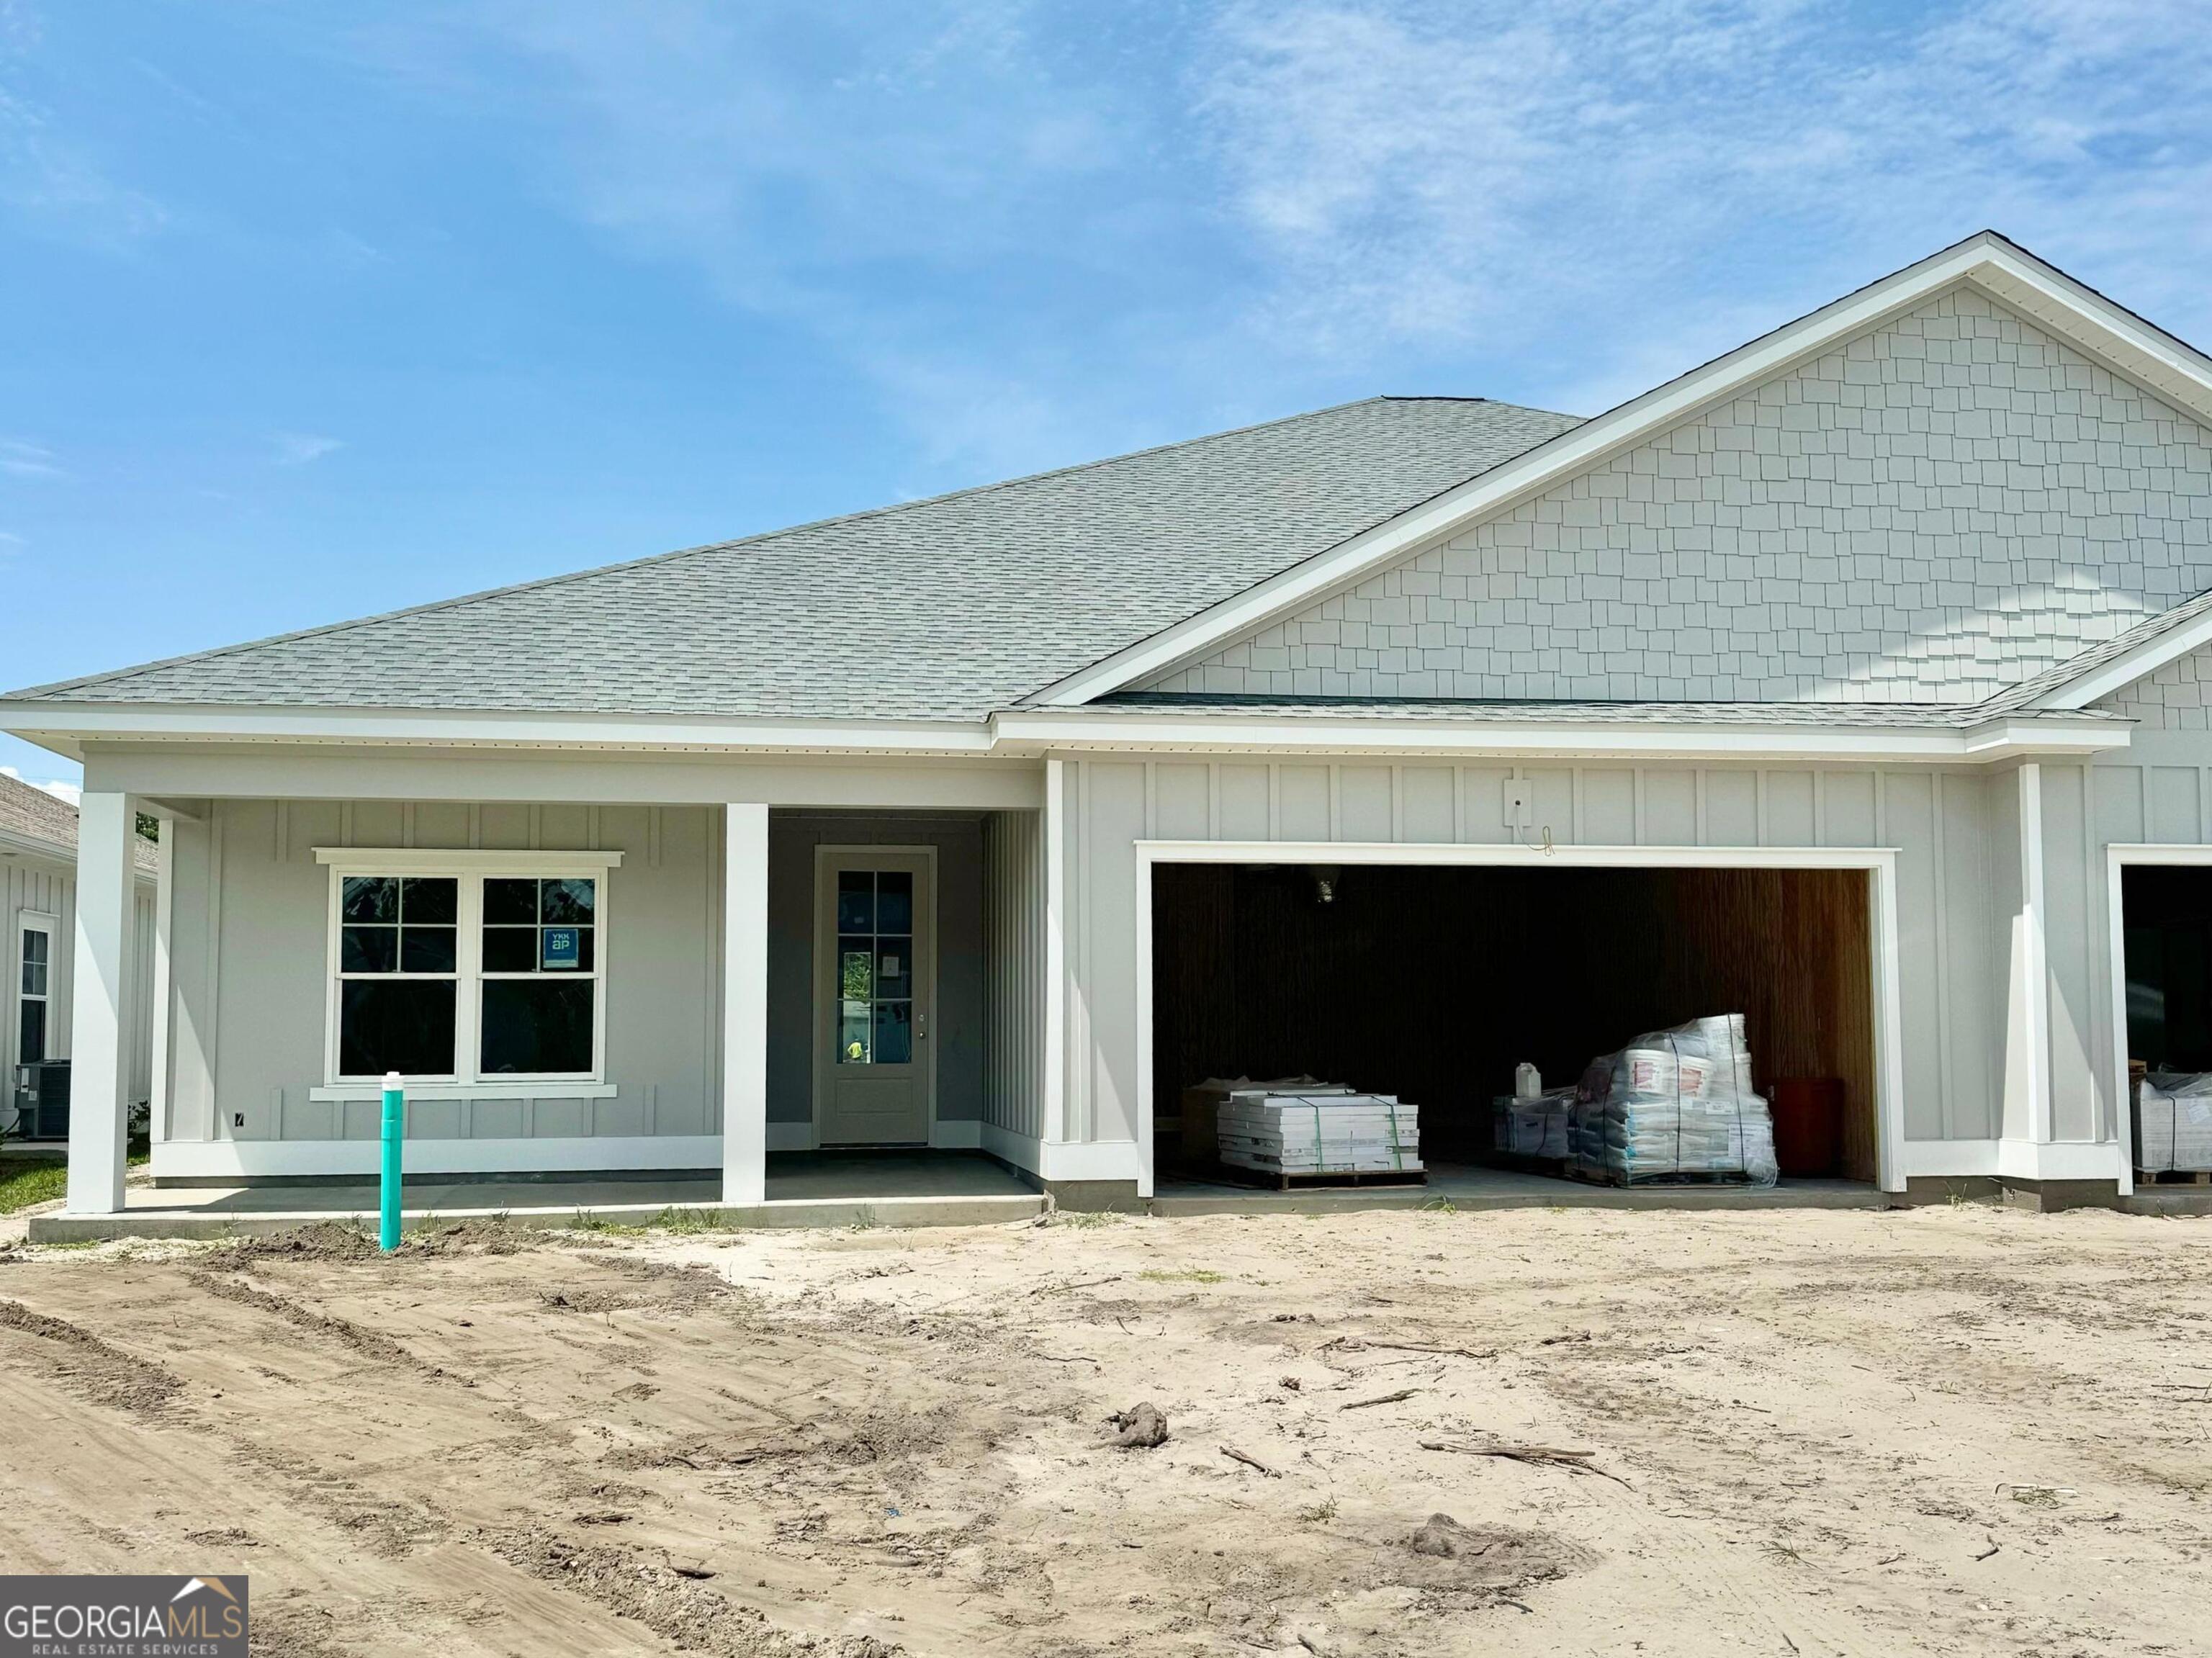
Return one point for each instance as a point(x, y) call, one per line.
point(1183, 1275)
point(1084, 1217)
point(686, 1220)
point(25, 1183)
point(1440, 1205)
point(864, 1219)
point(585, 1221)
point(1319, 1512)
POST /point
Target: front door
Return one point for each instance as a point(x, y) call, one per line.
point(874, 983)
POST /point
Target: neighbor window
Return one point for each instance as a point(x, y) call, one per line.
point(466, 978)
point(34, 994)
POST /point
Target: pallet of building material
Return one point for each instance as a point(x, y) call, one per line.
point(2174, 1124)
point(1286, 1135)
point(1201, 1105)
point(1278, 1181)
point(1674, 1105)
point(1530, 1129)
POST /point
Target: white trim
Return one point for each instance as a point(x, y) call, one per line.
point(2054, 300)
point(469, 871)
point(2035, 969)
point(823, 1016)
point(2125, 668)
point(68, 723)
point(543, 1088)
point(2016, 1159)
point(1019, 1149)
point(2117, 857)
point(962, 1134)
point(214, 1159)
point(462, 861)
point(1095, 1160)
point(1319, 733)
point(1880, 863)
point(742, 1028)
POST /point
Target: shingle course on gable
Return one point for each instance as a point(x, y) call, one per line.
point(948, 608)
point(1931, 512)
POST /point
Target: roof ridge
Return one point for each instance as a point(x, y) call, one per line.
point(461, 600)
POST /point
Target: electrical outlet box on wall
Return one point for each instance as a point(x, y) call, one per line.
point(1520, 802)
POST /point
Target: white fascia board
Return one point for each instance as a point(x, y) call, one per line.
point(2000, 739)
point(66, 726)
point(14, 844)
point(2124, 670)
point(2130, 346)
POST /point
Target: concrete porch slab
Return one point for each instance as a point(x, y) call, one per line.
point(828, 1188)
point(1468, 1186)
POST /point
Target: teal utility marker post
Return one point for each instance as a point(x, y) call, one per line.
point(395, 1134)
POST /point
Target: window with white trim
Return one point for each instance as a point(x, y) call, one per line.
point(491, 975)
point(35, 990)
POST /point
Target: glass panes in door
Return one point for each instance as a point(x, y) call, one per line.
point(875, 966)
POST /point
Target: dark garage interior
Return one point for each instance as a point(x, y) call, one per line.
point(2166, 914)
point(1432, 982)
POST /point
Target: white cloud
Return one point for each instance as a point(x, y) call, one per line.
point(27, 460)
point(72, 793)
point(1456, 173)
point(299, 449)
point(12, 544)
point(49, 180)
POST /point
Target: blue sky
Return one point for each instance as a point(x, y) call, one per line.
point(311, 311)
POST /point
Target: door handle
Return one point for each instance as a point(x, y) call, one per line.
point(922, 1027)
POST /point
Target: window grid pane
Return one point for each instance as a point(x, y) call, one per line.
point(874, 967)
point(400, 977)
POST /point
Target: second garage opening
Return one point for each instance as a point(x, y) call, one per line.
point(1434, 982)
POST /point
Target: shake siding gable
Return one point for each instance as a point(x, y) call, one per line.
point(1935, 511)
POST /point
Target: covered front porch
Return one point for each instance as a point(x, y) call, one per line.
point(604, 993)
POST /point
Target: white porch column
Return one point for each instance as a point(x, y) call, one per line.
point(744, 1004)
point(99, 1056)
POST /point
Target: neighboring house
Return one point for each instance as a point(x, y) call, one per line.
point(1863, 664)
point(38, 920)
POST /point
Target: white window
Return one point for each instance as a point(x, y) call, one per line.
point(35, 989)
point(483, 972)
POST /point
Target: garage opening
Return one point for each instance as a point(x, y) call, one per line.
point(2166, 917)
point(1434, 982)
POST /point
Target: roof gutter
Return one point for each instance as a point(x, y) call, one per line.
point(1027, 734)
point(65, 728)
point(1988, 742)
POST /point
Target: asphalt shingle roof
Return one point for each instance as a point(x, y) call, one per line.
point(948, 608)
point(37, 816)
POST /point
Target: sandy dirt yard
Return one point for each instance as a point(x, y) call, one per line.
point(1950, 1429)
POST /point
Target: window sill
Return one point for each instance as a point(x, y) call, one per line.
point(548, 1087)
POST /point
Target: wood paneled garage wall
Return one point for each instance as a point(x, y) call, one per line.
point(1432, 982)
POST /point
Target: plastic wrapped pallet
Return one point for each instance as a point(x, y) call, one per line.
point(1674, 1105)
point(2174, 1122)
point(1320, 1134)
point(1534, 1125)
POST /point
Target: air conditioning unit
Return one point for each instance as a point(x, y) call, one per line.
point(42, 1101)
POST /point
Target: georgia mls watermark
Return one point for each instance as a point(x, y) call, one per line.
point(123, 1616)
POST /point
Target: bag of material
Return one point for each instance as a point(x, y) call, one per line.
point(1534, 1125)
point(2174, 1122)
point(1674, 1104)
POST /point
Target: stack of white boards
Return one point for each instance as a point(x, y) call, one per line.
point(2173, 1123)
point(1306, 1134)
